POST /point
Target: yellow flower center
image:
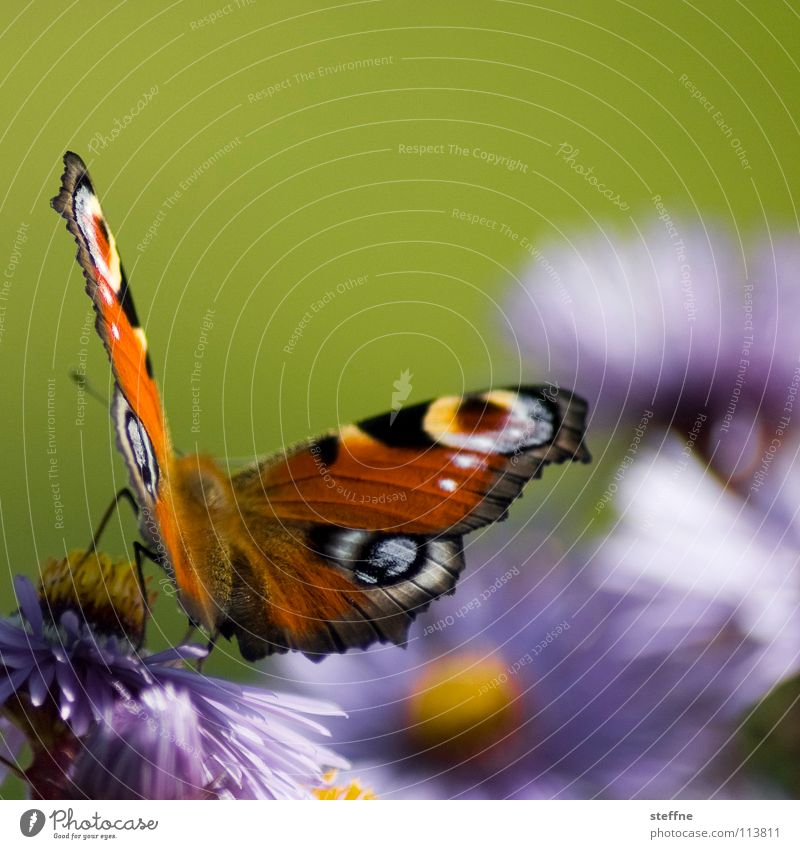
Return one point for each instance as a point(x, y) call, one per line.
point(105, 593)
point(462, 705)
point(341, 792)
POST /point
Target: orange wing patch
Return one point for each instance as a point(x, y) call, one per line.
point(448, 466)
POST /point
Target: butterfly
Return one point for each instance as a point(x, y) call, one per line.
point(339, 541)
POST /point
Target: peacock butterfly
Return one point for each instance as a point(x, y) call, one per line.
point(310, 549)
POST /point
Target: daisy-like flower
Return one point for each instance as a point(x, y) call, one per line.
point(189, 737)
point(532, 685)
point(82, 698)
point(148, 748)
point(107, 593)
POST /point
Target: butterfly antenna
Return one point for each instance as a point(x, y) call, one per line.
point(82, 382)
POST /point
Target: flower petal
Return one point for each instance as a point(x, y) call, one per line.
point(39, 683)
point(29, 603)
point(11, 682)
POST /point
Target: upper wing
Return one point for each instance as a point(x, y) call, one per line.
point(137, 411)
point(447, 466)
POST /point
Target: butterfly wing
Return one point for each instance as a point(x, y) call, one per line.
point(447, 466)
point(136, 408)
point(360, 530)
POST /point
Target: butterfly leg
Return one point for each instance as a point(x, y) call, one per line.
point(188, 635)
point(211, 643)
point(141, 553)
point(123, 495)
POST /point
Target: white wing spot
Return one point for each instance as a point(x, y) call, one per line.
point(395, 554)
point(135, 439)
point(467, 461)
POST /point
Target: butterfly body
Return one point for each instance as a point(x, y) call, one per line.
point(339, 541)
point(195, 517)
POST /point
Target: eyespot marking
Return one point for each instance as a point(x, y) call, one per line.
point(374, 559)
point(136, 447)
point(145, 461)
point(498, 422)
point(388, 560)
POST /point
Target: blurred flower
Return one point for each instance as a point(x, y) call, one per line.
point(774, 361)
point(687, 342)
point(212, 738)
point(651, 321)
point(65, 668)
point(527, 685)
point(81, 698)
point(678, 526)
point(678, 323)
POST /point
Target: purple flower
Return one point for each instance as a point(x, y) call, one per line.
point(106, 700)
point(774, 359)
point(679, 323)
point(687, 342)
point(66, 666)
point(655, 321)
point(150, 748)
point(533, 685)
point(679, 527)
point(191, 740)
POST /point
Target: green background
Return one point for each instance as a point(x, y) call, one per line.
point(317, 188)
